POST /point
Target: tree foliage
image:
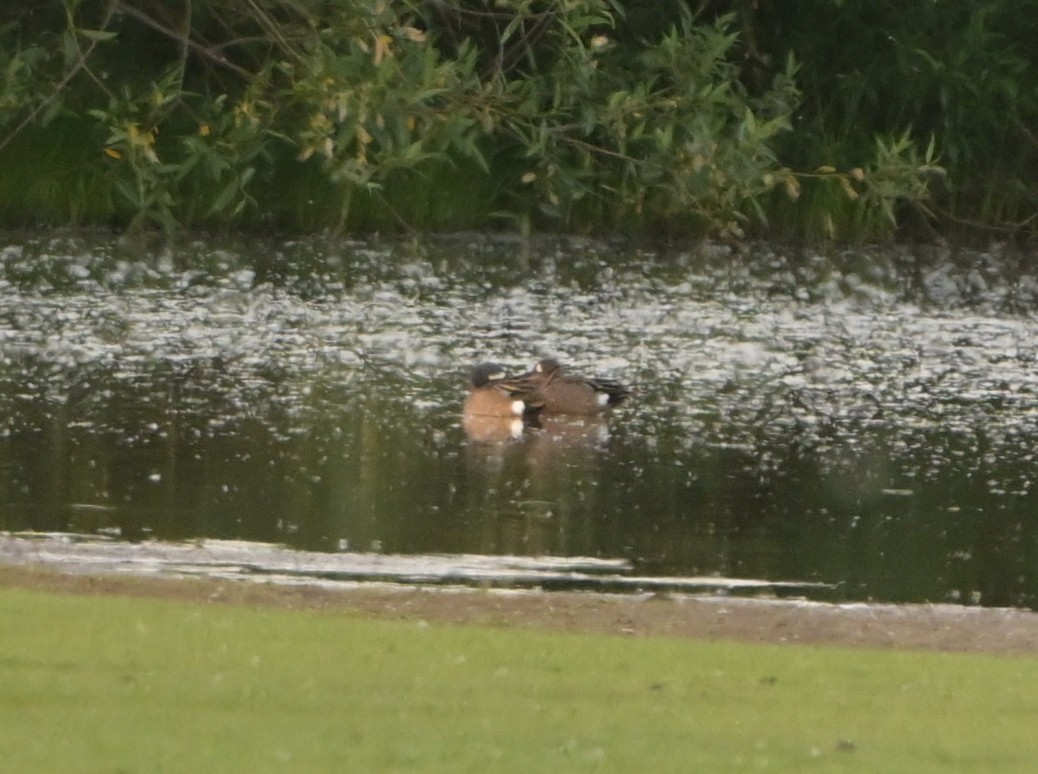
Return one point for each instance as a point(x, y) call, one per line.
point(959, 74)
point(826, 119)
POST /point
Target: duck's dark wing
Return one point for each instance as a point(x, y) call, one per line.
point(615, 391)
point(524, 389)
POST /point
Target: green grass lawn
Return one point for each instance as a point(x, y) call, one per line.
point(117, 684)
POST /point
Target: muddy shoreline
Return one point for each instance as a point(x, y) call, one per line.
point(916, 627)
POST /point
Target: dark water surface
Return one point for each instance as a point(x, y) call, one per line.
point(865, 419)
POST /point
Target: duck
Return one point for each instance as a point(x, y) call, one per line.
point(562, 393)
point(493, 394)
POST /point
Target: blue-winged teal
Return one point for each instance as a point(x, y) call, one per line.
point(565, 394)
point(493, 394)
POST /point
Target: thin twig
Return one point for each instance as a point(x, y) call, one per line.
point(186, 35)
point(273, 29)
point(79, 65)
point(205, 51)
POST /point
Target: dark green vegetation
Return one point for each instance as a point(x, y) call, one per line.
point(825, 119)
point(119, 684)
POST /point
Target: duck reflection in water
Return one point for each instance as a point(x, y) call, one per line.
point(564, 448)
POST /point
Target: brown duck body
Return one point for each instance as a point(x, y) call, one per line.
point(568, 394)
point(493, 394)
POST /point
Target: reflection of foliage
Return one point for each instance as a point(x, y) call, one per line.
point(550, 114)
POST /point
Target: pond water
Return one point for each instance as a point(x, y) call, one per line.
point(852, 425)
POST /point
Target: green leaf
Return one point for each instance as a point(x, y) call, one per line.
point(69, 48)
point(225, 197)
point(99, 36)
point(750, 122)
point(129, 193)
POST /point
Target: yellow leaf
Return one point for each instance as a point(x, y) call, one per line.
point(414, 35)
point(383, 44)
point(826, 169)
point(363, 136)
point(529, 177)
point(204, 130)
point(113, 153)
point(139, 139)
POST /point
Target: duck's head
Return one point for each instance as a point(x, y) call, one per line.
point(547, 366)
point(486, 373)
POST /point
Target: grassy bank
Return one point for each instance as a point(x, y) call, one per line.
point(120, 684)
